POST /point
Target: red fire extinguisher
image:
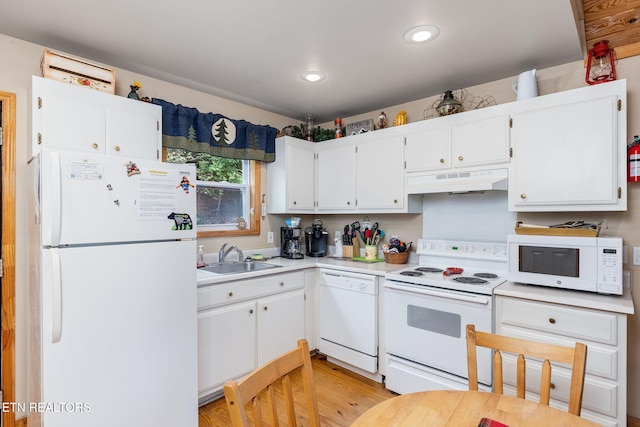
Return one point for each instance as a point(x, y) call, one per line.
point(633, 160)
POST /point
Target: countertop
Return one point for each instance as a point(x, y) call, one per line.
point(206, 278)
point(613, 303)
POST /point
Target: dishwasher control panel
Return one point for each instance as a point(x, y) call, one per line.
point(349, 281)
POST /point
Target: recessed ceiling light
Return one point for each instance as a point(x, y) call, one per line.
point(421, 34)
point(313, 76)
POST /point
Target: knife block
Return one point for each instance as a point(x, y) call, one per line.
point(351, 251)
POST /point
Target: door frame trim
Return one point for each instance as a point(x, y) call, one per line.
point(8, 253)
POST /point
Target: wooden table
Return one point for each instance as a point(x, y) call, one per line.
point(464, 409)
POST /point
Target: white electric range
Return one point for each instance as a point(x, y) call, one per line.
point(427, 308)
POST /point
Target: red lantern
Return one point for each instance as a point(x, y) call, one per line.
point(601, 64)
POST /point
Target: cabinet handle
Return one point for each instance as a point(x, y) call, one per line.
point(523, 196)
point(395, 200)
point(117, 148)
point(281, 283)
point(552, 320)
point(460, 158)
point(266, 308)
point(251, 311)
point(295, 203)
point(94, 146)
point(441, 160)
point(552, 386)
point(348, 203)
point(230, 294)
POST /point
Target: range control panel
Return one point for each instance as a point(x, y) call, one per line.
point(462, 249)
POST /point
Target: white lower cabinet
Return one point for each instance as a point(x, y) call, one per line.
point(226, 344)
point(605, 334)
point(244, 324)
point(280, 324)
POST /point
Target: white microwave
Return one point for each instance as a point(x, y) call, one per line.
point(592, 264)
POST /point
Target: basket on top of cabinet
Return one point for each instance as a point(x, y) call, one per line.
point(77, 71)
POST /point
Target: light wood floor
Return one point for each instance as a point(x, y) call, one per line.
point(342, 397)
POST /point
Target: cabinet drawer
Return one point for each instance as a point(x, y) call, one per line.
point(226, 293)
point(576, 323)
point(602, 361)
point(598, 396)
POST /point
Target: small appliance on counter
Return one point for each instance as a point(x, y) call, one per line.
point(316, 237)
point(290, 238)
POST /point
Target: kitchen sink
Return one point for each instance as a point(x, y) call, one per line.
point(238, 267)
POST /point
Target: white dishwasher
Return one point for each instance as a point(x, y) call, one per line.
point(348, 318)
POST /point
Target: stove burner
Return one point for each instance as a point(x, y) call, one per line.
point(429, 269)
point(486, 275)
point(470, 280)
point(411, 273)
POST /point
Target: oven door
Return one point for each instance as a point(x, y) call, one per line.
point(428, 326)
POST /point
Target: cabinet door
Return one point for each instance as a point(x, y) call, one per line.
point(336, 175)
point(428, 149)
point(67, 117)
point(480, 142)
point(300, 165)
point(133, 129)
point(565, 157)
point(380, 173)
point(80, 119)
point(280, 324)
point(226, 345)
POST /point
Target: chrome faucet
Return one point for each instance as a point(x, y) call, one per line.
point(223, 252)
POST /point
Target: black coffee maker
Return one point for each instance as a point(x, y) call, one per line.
point(290, 238)
point(316, 237)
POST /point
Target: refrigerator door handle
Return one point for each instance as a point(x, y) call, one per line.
point(57, 296)
point(55, 199)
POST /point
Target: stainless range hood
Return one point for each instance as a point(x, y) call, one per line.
point(457, 182)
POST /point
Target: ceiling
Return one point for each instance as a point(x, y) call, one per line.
point(254, 51)
point(616, 21)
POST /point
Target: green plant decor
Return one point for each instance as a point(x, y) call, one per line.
point(317, 133)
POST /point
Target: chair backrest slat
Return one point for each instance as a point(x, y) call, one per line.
point(575, 356)
point(521, 380)
point(259, 386)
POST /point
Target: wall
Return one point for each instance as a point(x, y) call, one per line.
point(24, 60)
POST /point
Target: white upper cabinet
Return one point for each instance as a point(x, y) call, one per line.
point(356, 173)
point(428, 149)
point(67, 117)
point(336, 175)
point(569, 151)
point(480, 142)
point(467, 140)
point(291, 178)
point(380, 172)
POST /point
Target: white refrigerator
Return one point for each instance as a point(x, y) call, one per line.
point(112, 292)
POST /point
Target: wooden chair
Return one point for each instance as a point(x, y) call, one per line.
point(575, 356)
point(264, 379)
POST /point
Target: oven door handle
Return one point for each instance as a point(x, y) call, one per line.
point(477, 299)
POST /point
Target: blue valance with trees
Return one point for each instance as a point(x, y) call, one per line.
point(188, 129)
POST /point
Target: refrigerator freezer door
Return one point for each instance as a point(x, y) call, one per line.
point(126, 353)
point(89, 199)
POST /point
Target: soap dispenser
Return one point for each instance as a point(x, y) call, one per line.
point(200, 260)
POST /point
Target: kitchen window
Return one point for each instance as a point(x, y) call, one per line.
point(226, 190)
